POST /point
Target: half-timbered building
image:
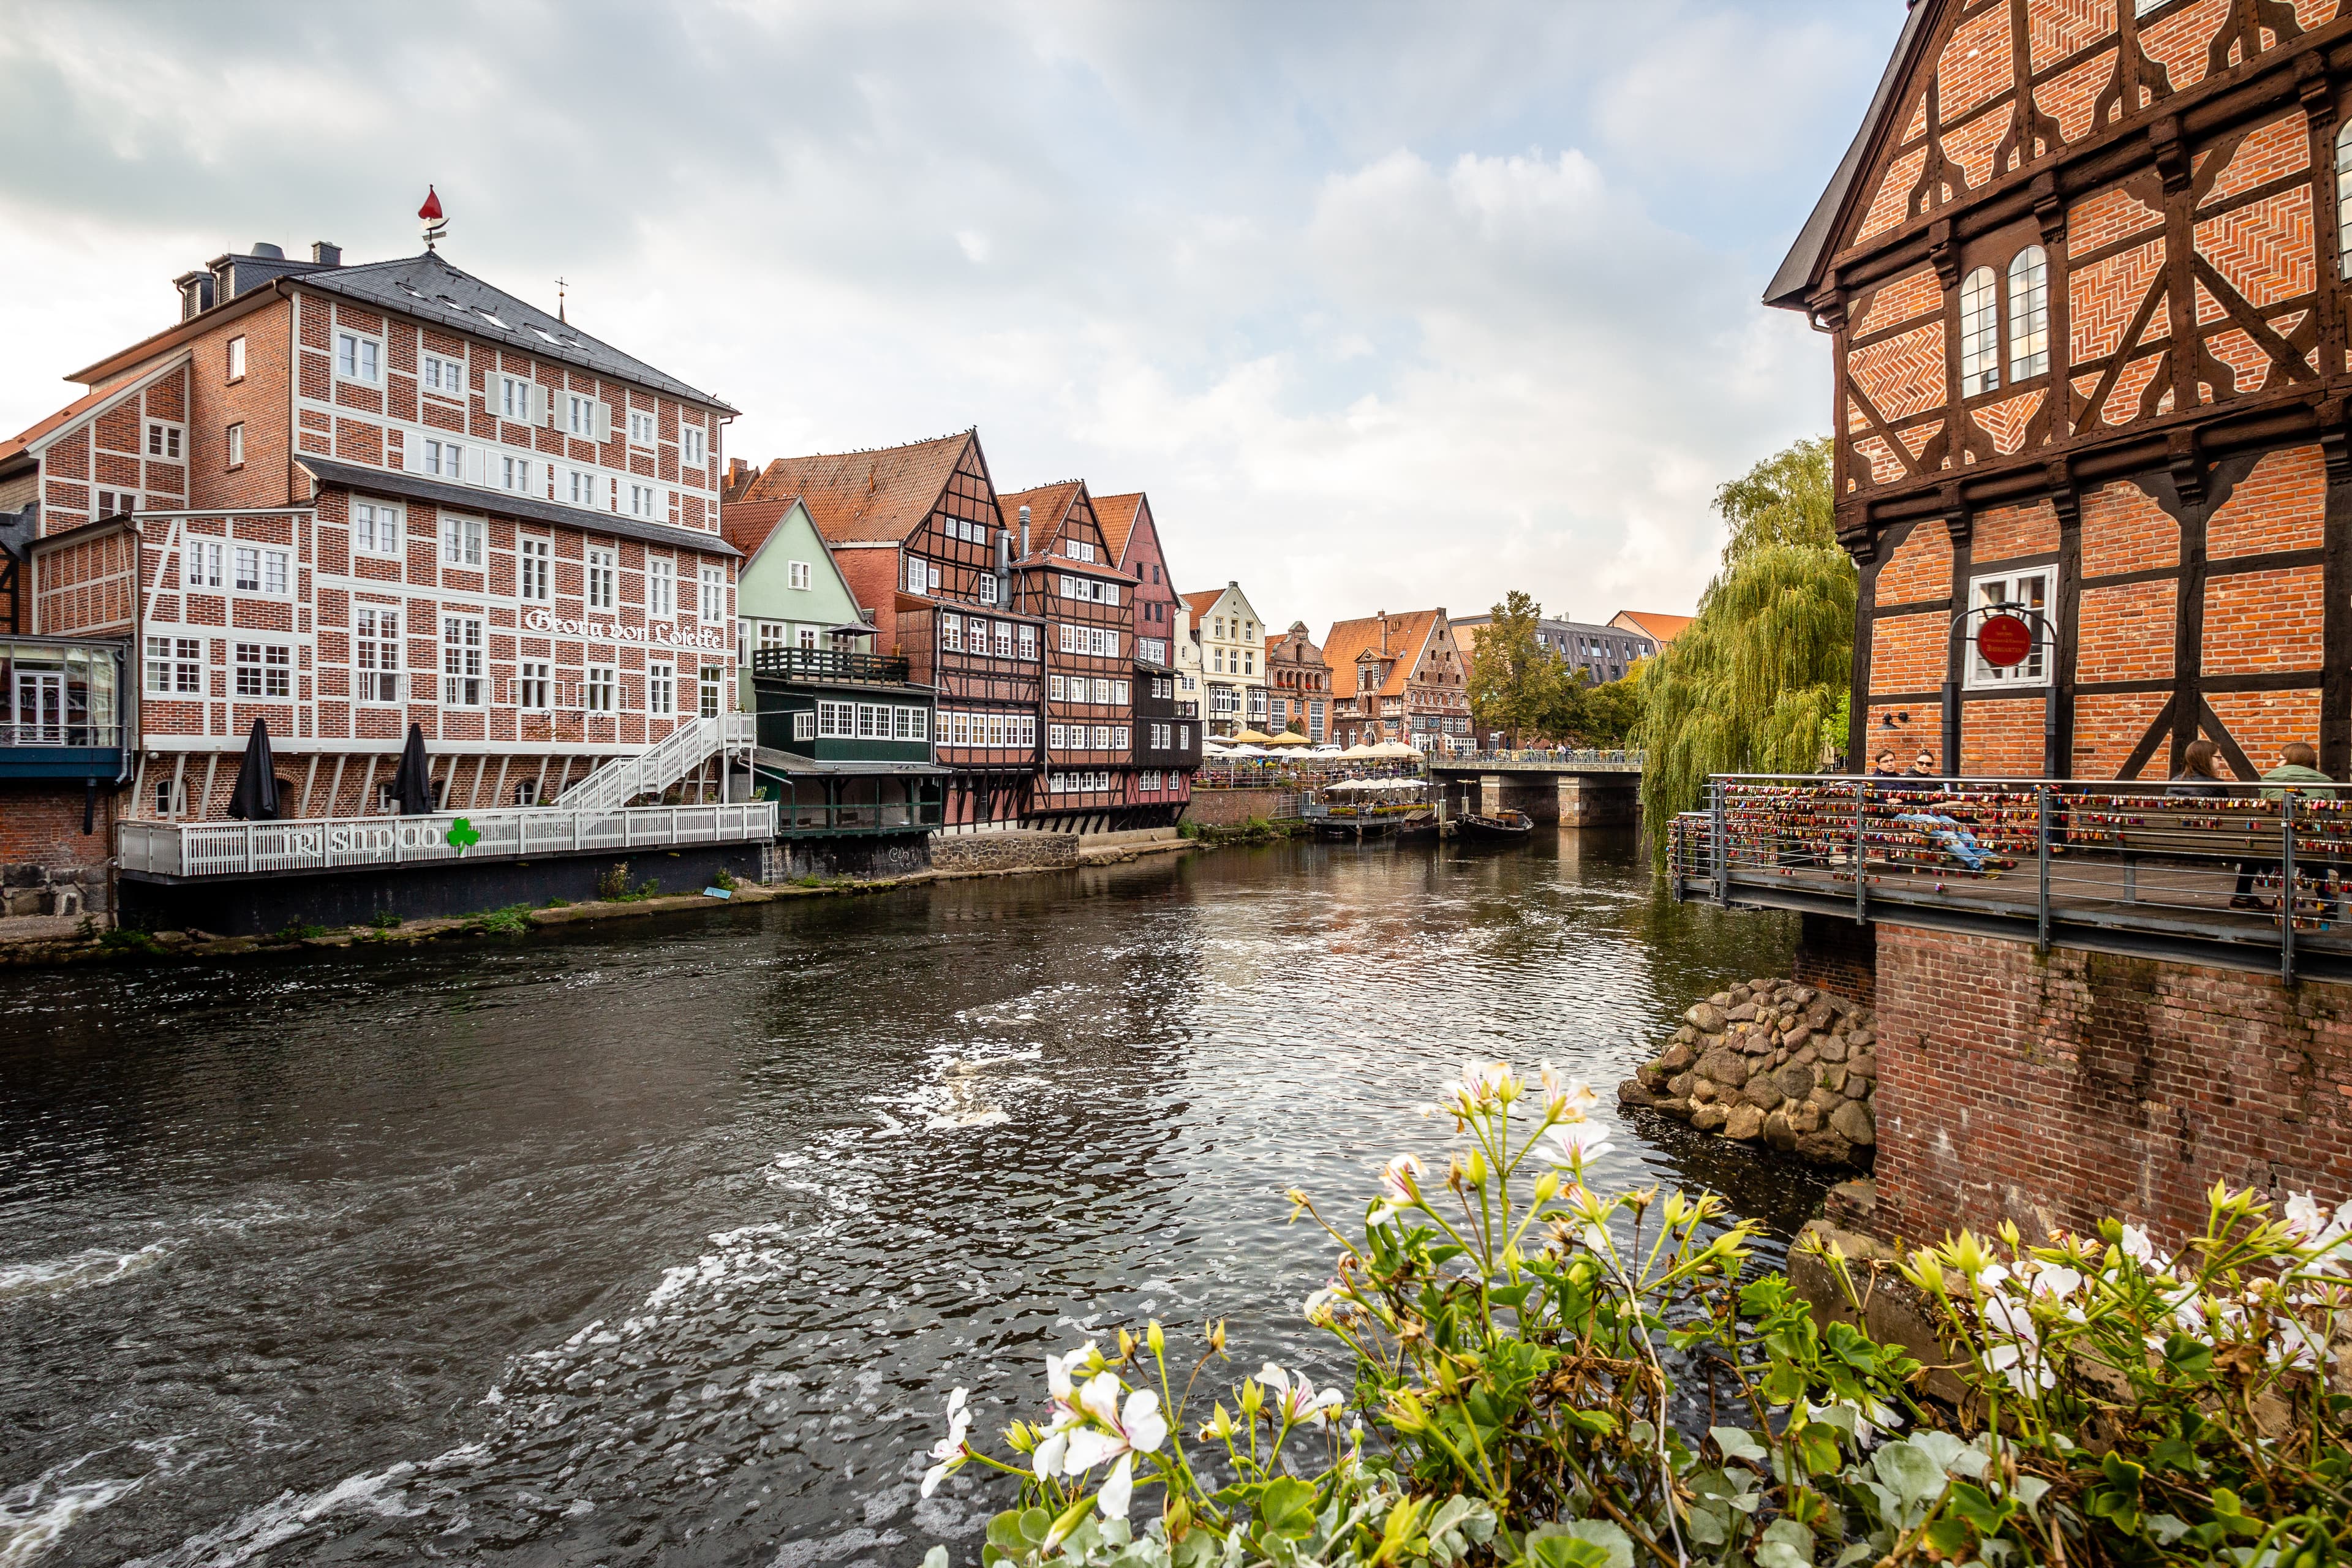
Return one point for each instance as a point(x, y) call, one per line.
point(1066, 577)
point(1399, 678)
point(1167, 728)
point(2084, 275)
point(920, 540)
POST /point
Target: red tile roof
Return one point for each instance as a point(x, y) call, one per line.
point(1661, 628)
point(867, 498)
point(1198, 602)
point(1117, 514)
point(1049, 508)
point(746, 524)
point(1400, 637)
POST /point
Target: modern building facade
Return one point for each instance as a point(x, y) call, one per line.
point(1658, 626)
point(1228, 644)
point(1399, 678)
point(1603, 652)
point(1298, 685)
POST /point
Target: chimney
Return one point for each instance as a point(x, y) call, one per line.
point(263, 249)
point(326, 254)
point(1024, 533)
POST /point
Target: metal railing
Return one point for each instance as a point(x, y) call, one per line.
point(830, 664)
point(188, 849)
point(1580, 760)
point(73, 732)
point(693, 742)
point(2251, 875)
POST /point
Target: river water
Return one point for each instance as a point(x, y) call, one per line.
point(663, 1241)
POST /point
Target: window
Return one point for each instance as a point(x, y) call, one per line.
point(2344, 199)
point(601, 680)
point(445, 459)
point(641, 428)
point(260, 570)
point(661, 586)
point(910, 724)
point(808, 637)
point(661, 688)
point(534, 566)
point(264, 669)
point(531, 685)
point(1979, 333)
point(1055, 688)
point(514, 476)
point(713, 607)
point(170, 797)
point(1119, 690)
point(979, 635)
point(356, 358)
point(2035, 591)
point(461, 660)
point(804, 725)
point(527, 792)
point(174, 666)
point(690, 441)
point(835, 720)
point(515, 399)
point(601, 575)
point(375, 633)
point(444, 376)
point(579, 417)
point(915, 574)
point(162, 440)
point(1119, 736)
point(1000, 731)
point(873, 721)
point(1003, 638)
point(461, 541)
point(237, 358)
point(1029, 642)
point(1079, 550)
point(1102, 689)
point(800, 574)
point(931, 579)
point(2029, 314)
point(951, 633)
point(582, 488)
point(708, 692)
point(1057, 737)
point(234, 454)
point(117, 503)
point(987, 588)
point(641, 500)
point(375, 528)
point(200, 565)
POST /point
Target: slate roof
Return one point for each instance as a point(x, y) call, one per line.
point(429, 287)
point(746, 524)
point(867, 498)
point(1397, 637)
point(465, 497)
point(1814, 241)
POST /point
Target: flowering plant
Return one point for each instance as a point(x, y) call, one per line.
point(1549, 1375)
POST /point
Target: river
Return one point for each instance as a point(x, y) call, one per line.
point(663, 1241)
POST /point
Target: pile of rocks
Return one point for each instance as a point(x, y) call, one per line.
point(1775, 1062)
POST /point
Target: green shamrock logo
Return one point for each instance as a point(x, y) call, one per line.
point(464, 835)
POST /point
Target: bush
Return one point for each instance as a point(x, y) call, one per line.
point(383, 919)
point(122, 942)
point(725, 880)
point(1522, 1345)
point(511, 920)
point(297, 931)
point(615, 883)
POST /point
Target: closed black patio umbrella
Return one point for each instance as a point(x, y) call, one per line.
point(255, 796)
point(412, 786)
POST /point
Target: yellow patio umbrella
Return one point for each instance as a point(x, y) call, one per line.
point(1287, 738)
point(1251, 738)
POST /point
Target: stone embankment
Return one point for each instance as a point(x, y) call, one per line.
point(1771, 1062)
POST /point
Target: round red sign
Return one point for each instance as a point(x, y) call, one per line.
point(2004, 640)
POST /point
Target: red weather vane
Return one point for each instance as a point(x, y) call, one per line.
point(435, 225)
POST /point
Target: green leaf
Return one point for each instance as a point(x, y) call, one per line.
point(1580, 1543)
point(937, 1557)
point(1737, 1444)
point(2165, 1528)
point(1286, 1509)
point(1908, 1472)
point(1785, 1545)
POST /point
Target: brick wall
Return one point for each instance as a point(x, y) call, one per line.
point(2057, 1089)
point(1232, 808)
point(1838, 956)
point(48, 865)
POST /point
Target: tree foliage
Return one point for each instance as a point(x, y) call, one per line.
point(1751, 684)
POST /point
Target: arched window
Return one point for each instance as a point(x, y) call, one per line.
point(2029, 314)
point(2344, 200)
point(1979, 333)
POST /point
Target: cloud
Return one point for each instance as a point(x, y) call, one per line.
point(1384, 304)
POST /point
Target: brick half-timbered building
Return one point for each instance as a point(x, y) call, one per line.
point(348, 500)
point(918, 538)
point(2084, 273)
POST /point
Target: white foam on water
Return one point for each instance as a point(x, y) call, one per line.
point(824, 1549)
point(91, 1266)
point(34, 1515)
point(380, 1492)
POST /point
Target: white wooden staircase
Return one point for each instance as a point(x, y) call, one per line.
point(662, 764)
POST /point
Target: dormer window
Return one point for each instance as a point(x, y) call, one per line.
point(1979, 333)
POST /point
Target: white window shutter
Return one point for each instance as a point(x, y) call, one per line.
point(604, 422)
point(412, 453)
point(475, 465)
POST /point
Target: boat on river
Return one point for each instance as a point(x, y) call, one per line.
point(1502, 825)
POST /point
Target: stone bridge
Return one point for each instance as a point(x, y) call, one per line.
point(1575, 789)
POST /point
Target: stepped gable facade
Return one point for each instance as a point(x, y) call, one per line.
point(344, 499)
point(1398, 677)
point(1132, 536)
point(2083, 272)
point(918, 538)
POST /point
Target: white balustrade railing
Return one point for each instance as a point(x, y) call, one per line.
point(320, 843)
point(661, 764)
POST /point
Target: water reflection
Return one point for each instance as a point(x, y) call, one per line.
point(663, 1242)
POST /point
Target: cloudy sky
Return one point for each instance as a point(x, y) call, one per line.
point(1384, 304)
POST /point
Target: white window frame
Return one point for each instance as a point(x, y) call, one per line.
point(461, 541)
point(438, 375)
point(641, 500)
point(2037, 668)
point(709, 691)
point(712, 604)
point(268, 672)
point(661, 689)
point(534, 568)
point(515, 476)
point(601, 693)
point(1028, 642)
point(175, 667)
point(2029, 314)
point(446, 460)
point(804, 725)
point(601, 583)
point(585, 490)
point(836, 721)
point(692, 447)
point(375, 528)
point(915, 574)
point(261, 569)
point(233, 449)
point(579, 417)
point(163, 439)
point(514, 398)
point(661, 587)
point(378, 654)
point(235, 358)
point(798, 574)
point(647, 426)
point(1056, 689)
point(465, 667)
point(1979, 333)
point(988, 587)
point(534, 680)
point(359, 358)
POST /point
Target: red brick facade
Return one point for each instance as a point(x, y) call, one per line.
point(2056, 1090)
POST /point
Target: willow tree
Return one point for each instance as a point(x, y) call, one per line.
point(1752, 682)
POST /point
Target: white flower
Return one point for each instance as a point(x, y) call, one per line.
point(1564, 1098)
point(2138, 1247)
point(1117, 1489)
point(1113, 1432)
point(2053, 1280)
point(1577, 1143)
point(1060, 1368)
point(1483, 1084)
point(1295, 1398)
point(949, 1450)
point(1400, 1179)
point(1318, 1309)
point(1874, 1418)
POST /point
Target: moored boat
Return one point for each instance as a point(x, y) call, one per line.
point(1502, 825)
